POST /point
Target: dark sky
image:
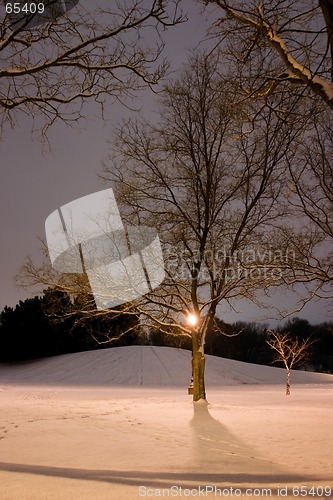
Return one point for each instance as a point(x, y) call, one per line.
point(35, 181)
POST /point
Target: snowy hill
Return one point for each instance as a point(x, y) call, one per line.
point(145, 366)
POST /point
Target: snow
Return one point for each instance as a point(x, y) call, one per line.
point(118, 423)
point(299, 69)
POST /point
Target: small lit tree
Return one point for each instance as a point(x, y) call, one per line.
point(292, 352)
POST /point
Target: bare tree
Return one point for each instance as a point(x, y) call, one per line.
point(311, 193)
point(209, 176)
point(279, 42)
point(291, 352)
point(287, 47)
point(52, 66)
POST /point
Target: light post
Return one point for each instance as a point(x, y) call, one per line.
point(192, 320)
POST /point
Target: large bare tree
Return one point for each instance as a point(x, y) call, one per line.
point(210, 176)
point(278, 42)
point(53, 64)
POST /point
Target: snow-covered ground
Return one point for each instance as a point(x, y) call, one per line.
point(118, 424)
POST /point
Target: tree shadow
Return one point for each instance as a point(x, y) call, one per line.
point(148, 478)
point(218, 450)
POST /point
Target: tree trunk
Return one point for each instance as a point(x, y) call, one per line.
point(288, 383)
point(198, 369)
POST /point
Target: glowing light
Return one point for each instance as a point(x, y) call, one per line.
point(192, 319)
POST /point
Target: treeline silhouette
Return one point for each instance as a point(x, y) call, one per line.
point(248, 342)
point(53, 324)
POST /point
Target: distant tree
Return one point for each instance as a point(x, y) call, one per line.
point(240, 341)
point(322, 357)
point(290, 352)
point(297, 328)
point(89, 330)
point(52, 324)
point(58, 309)
point(169, 337)
point(25, 332)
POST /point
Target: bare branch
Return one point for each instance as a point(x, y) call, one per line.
point(294, 37)
point(55, 66)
